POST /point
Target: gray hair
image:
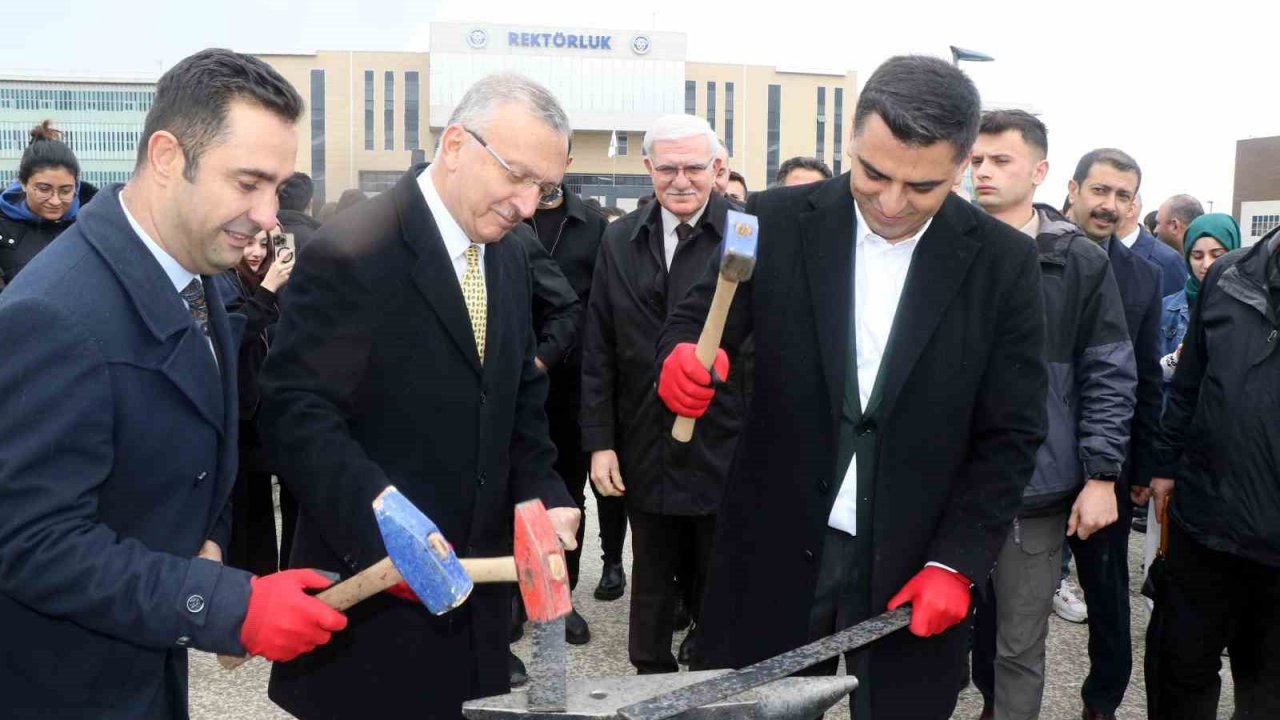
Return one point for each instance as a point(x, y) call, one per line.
point(493, 91)
point(678, 127)
point(1185, 208)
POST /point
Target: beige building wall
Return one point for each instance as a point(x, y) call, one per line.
point(346, 156)
point(344, 102)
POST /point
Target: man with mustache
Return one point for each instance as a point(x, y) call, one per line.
point(406, 357)
point(118, 419)
point(1101, 190)
point(648, 260)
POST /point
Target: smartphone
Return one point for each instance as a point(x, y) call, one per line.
point(285, 249)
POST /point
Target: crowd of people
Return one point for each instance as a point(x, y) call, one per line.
point(920, 398)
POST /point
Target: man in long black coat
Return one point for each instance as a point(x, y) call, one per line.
point(406, 357)
point(897, 405)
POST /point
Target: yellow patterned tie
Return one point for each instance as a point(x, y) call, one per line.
point(476, 297)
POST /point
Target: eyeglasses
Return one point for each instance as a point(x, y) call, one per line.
point(693, 172)
point(548, 193)
point(43, 192)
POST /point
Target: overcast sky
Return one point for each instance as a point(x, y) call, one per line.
point(1175, 83)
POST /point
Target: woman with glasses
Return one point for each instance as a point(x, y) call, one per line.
point(41, 203)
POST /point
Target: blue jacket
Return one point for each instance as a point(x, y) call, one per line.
point(1173, 267)
point(117, 458)
point(1174, 316)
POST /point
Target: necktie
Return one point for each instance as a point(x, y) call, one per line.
point(683, 231)
point(476, 297)
point(193, 294)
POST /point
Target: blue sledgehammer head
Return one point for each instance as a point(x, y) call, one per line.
point(420, 553)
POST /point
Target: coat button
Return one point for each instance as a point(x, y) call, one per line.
point(184, 641)
point(200, 478)
point(866, 427)
point(808, 555)
point(195, 604)
point(482, 478)
point(824, 486)
point(484, 398)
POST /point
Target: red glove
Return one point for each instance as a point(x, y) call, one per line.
point(685, 385)
point(283, 621)
point(939, 599)
point(403, 591)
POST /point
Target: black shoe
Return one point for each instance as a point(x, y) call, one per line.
point(613, 581)
point(682, 618)
point(576, 631)
point(518, 617)
point(688, 647)
point(519, 676)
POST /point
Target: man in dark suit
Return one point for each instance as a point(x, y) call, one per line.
point(407, 358)
point(118, 419)
point(648, 261)
point(1102, 188)
point(1133, 235)
point(897, 406)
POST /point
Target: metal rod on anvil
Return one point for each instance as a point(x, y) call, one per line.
point(779, 666)
point(793, 698)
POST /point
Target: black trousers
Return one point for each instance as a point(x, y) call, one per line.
point(659, 544)
point(574, 466)
point(1102, 564)
point(842, 599)
point(1211, 600)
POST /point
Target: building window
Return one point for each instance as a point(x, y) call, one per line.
point(1263, 224)
point(820, 146)
point(837, 135)
point(773, 133)
point(622, 144)
point(728, 118)
point(411, 110)
point(373, 182)
point(690, 97)
point(389, 111)
point(368, 109)
point(711, 105)
point(317, 136)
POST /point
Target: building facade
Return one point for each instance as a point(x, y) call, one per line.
point(101, 120)
point(1256, 198)
point(371, 114)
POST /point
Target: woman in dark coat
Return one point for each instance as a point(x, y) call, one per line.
point(251, 289)
point(41, 203)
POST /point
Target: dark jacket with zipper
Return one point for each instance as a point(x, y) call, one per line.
point(633, 293)
point(1092, 375)
point(1220, 434)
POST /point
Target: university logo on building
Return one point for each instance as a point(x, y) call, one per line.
point(640, 44)
point(477, 39)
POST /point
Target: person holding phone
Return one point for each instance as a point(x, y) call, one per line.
point(252, 289)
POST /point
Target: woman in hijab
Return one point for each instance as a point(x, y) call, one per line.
point(1208, 238)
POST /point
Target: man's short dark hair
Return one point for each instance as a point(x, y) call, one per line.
point(1118, 159)
point(798, 163)
point(295, 194)
point(1034, 133)
point(923, 100)
point(193, 96)
point(1150, 220)
point(735, 176)
point(1185, 208)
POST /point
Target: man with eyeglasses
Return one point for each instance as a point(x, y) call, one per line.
point(648, 261)
point(407, 358)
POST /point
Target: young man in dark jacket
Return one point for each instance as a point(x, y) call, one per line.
point(1089, 406)
point(1217, 459)
point(295, 197)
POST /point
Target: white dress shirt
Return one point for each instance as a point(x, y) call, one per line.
point(455, 239)
point(669, 224)
point(880, 273)
point(1131, 238)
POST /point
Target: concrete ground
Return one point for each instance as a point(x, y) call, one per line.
point(243, 695)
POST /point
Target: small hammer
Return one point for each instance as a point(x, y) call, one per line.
point(737, 261)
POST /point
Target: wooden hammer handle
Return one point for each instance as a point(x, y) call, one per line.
point(708, 344)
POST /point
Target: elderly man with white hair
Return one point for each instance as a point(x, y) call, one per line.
point(648, 261)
